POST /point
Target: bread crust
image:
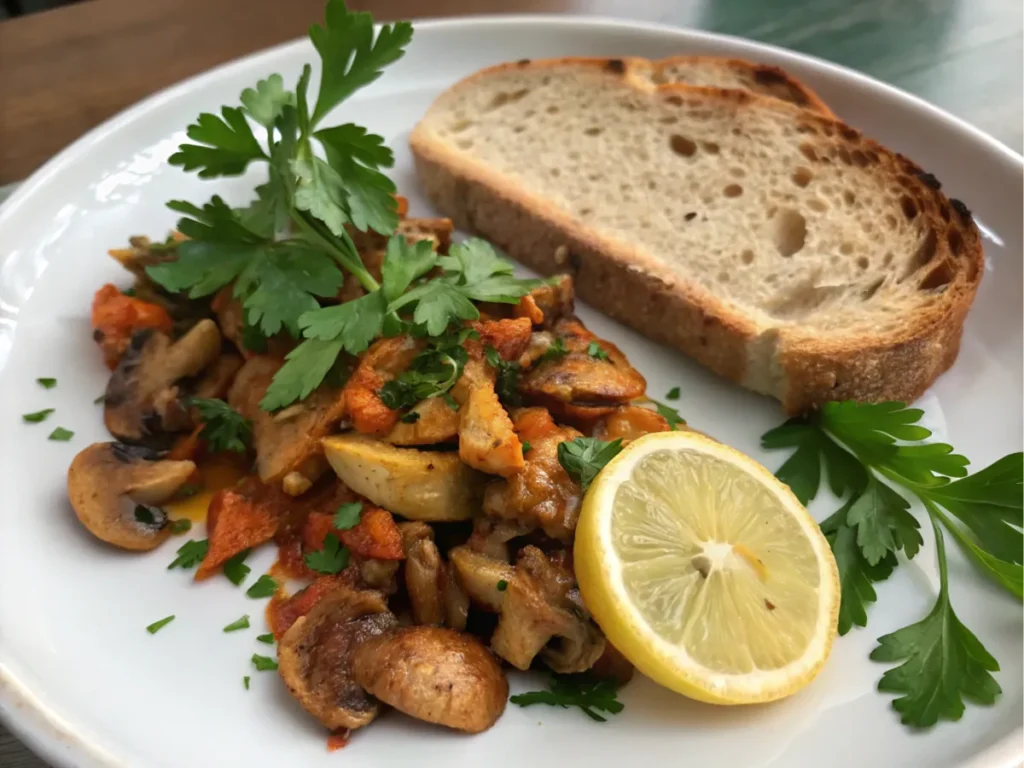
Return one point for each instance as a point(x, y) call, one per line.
point(799, 369)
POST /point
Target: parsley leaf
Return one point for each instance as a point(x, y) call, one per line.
point(432, 373)
point(264, 586)
point(235, 569)
point(237, 624)
point(884, 523)
point(595, 351)
point(46, 383)
point(527, 447)
point(61, 435)
point(502, 585)
point(331, 559)
point(591, 696)
point(226, 147)
point(156, 626)
point(347, 515)
point(584, 457)
point(507, 381)
point(673, 394)
point(475, 268)
point(943, 662)
point(182, 525)
point(267, 100)
point(38, 416)
point(268, 638)
point(224, 428)
point(245, 682)
point(856, 576)
point(304, 369)
point(668, 413)
point(263, 663)
point(369, 195)
point(556, 351)
point(190, 554)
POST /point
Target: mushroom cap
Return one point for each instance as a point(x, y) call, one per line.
point(315, 656)
point(141, 398)
point(434, 674)
point(106, 481)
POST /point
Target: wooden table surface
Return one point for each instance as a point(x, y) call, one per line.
point(64, 71)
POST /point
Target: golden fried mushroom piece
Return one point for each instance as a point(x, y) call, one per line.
point(435, 597)
point(434, 674)
point(481, 576)
point(108, 481)
point(542, 613)
point(435, 422)
point(628, 422)
point(216, 379)
point(316, 656)
point(487, 441)
point(142, 396)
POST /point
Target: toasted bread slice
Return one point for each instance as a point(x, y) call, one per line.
point(716, 72)
point(777, 246)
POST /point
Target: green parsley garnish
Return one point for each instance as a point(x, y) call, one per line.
point(190, 554)
point(61, 435)
point(267, 638)
point(594, 350)
point(263, 663)
point(183, 525)
point(410, 418)
point(156, 626)
point(224, 428)
point(584, 457)
point(668, 413)
point(265, 586)
point(100, 399)
point(507, 381)
point(864, 449)
point(502, 585)
point(187, 491)
point(673, 394)
point(432, 373)
point(235, 569)
point(556, 351)
point(47, 383)
point(245, 682)
point(526, 447)
point(35, 418)
point(331, 559)
point(590, 695)
point(237, 624)
point(347, 515)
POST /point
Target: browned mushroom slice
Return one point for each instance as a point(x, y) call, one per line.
point(115, 491)
point(541, 613)
point(434, 674)
point(315, 656)
point(434, 422)
point(592, 372)
point(553, 300)
point(142, 396)
point(542, 495)
point(487, 441)
point(217, 378)
point(483, 578)
point(628, 422)
point(287, 443)
point(491, 537)
point(423, 573)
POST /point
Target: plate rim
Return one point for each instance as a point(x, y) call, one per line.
point(49, 734)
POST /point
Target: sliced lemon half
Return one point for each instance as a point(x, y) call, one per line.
point(706, 571)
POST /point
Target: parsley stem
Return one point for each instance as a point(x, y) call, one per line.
point(355, 266)
point(940, 551)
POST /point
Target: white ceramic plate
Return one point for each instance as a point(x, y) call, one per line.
point(82, 681)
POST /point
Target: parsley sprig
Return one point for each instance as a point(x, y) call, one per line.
point(590, 695)
point(285, 254)
point(584, 457)
point(866, 450)
point(224, 428)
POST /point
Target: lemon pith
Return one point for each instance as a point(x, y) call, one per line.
point(706, 572)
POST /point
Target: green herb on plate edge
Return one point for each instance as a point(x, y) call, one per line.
point(866, 450)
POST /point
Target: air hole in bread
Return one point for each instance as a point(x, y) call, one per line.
point(682, 146)
point(710, 147)
point(595, 177)
point(733, 190)
point(769, 279)
point(818, 205)
point(723, 277)
point(595, 131)
point(790, 232)
point(460, 125)
point(844, 155)
point(502, 98)
point(652, 185)
point(690, 216)
point(586, 211)
point(464, 143)
point(805, 128)
point(860, 159)
point(737, 173)
point(909, 207)
point(555, 173)
point(862, 262)
point(887, 259)
point(828, 130)
point(519, 129)
point(668, 120)
point(802, 176)
point(955, 241)
point(872, 289)
point(747, 256)
point(925, 253)
point(938, 278)
point(846, 249)
point(675, 101)
point(890, 221)
point(625, 188)
point(848, 197)
point(809, 152)
point(552, 110)
point(546, 80)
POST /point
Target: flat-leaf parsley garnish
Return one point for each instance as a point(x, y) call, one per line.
point(590, 695)
point(584, 457)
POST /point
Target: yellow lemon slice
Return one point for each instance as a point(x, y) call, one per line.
point(706, 572)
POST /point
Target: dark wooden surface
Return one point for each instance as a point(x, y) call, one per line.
point(65, 71)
